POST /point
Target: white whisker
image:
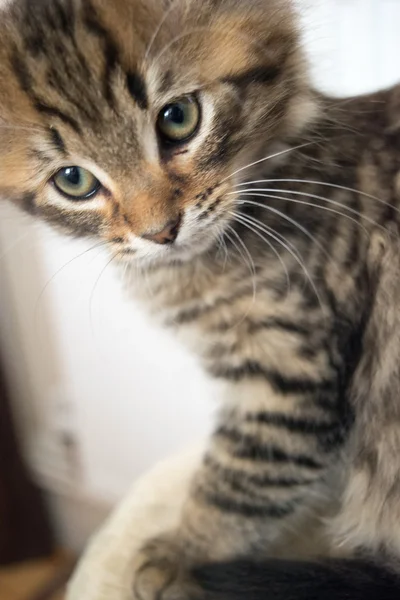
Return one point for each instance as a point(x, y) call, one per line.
point(282, 152)
point(96, 283)
point(13, 244)
point(20, 128)
point(300, 262)
point(177, 38)
point(323, 183)
point(248, 192)
point(307, 233)
point(246, 219)
point(286, 245)
point(53, 277)
point(65, 265)
point(251, 266)
point(149, 286)
point(222, 247)
point(158, 28)
point(286, 218)
point(249, 261)
point(274, 232)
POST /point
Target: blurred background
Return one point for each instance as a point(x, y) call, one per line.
point(97, 394)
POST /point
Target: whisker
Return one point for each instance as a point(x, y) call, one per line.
point(288, 246)
point(281, 238)
point(245, 36)
point(274, 232)
point(252, 269)
point(282, 152)
point(305, 203)
point(14, 243)
point(305, 231)
point(35, 128)
point(145, 273)
point(177, 38)
point(124, 271)
point(249, 259)
point(222, 247)
point(326, 184)
point(94, 290)
point(300, 262)
point(158, 28)
point(64, 266)
point(242, 218)
point(285, 217)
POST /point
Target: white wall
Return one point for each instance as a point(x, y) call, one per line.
point(86, 363)
point(93, 362)
point(353, 44)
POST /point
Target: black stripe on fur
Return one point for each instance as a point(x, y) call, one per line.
point(286, 580)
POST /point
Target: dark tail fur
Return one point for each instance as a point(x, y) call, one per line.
point(285, 580)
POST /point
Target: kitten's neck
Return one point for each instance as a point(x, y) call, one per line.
point(166, 286)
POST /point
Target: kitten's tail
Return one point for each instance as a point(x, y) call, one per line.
point(286, 580)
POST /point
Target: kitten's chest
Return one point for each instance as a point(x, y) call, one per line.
point(175, 295)
point(230, 310)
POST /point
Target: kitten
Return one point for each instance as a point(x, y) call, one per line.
point(259, 219)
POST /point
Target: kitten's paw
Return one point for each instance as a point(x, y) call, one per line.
point(162, 572)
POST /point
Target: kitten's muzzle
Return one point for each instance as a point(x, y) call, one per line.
point(166, 235)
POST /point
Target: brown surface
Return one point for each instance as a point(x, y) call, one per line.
point(25, 529)
point(28, 580)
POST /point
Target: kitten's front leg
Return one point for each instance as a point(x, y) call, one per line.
point(263, 472)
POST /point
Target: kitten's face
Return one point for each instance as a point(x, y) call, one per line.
point(124, 120)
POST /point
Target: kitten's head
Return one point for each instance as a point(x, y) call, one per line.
point(125, 120)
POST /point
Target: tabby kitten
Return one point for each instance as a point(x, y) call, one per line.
point(258, 219)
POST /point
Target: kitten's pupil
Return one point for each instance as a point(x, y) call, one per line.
point(175, 114)
point(72, 175)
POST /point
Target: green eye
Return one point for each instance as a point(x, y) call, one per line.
point(76, 183)
point(179, 120)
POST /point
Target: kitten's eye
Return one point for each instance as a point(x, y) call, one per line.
point(76, 183)
point(179, 120)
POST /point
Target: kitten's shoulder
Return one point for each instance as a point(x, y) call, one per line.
point(384, 104)
point(393, 108)
point(374, 114)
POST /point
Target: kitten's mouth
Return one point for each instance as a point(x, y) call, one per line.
point(200, 230)
point(184, 249)
point(180, 252)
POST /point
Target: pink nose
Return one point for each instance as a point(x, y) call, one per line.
point(167, 235)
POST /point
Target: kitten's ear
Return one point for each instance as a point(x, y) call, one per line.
point(251, 34)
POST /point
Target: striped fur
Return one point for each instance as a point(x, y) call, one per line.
point(283, 278)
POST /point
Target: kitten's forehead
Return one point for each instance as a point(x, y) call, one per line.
point(100, 71)
point(84, 50)
point(154, 30)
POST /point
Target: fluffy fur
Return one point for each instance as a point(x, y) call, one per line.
point(284, 274)
point(283, 580)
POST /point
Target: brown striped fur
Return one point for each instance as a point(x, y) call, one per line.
point(284, 277)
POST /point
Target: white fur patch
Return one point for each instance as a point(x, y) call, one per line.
point(152, 507)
